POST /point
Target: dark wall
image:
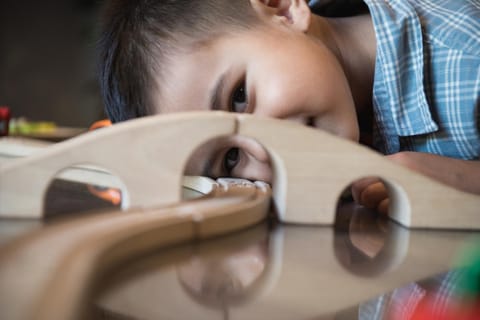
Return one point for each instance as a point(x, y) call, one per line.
point(47, 60)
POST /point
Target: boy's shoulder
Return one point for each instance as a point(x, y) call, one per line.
point(451, 24)
point(425, 50)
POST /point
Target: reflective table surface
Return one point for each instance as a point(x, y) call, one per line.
point(365, 268)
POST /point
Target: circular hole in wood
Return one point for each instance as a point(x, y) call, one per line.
point(225, 156)
point(82, 188)
point(367, 242)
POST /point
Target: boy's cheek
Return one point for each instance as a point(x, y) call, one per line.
point(251, 168)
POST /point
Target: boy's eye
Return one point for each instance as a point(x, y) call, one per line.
point(231, 160)
point(239, 99)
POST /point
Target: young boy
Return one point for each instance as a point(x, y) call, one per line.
point(412, 67)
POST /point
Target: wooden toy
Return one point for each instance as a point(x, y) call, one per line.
point(148, 156)
point(311, 169)
point(49, 274)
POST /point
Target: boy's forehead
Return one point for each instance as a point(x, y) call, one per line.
point(193, 73)
point(188, 79)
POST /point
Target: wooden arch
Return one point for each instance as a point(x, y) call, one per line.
point(311, 168)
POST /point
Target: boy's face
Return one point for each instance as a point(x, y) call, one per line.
point(274, 71)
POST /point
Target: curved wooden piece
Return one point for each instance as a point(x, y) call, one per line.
point(148, 155)
point(49, 274)
point(312, 168)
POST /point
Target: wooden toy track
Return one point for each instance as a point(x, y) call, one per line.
point(311, 169)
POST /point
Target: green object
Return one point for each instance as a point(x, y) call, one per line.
point(22, 126)
point(469, 284)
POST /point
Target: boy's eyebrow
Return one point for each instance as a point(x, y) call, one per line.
point(215, 96)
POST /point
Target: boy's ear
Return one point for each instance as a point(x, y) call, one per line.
point(294, 13)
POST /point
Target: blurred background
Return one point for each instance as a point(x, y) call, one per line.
point(47, 60)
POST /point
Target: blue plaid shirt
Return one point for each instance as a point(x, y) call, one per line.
point(427, 77)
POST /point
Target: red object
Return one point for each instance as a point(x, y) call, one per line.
point(4, 120)
point(427, 309)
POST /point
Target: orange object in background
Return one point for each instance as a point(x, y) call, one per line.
point(111, 195)
point(4, 120)
point(100, 124)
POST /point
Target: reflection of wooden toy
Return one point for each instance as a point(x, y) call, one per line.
point(311, 169)
point(304, 277)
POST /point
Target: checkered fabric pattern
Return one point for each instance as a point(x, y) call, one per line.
point(427, 77)
point(402, 302)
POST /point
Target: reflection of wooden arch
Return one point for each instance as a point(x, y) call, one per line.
point(311, 169)
point(309, 281)
point(361, 223)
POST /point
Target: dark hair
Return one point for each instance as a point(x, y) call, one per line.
point(138, 36)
